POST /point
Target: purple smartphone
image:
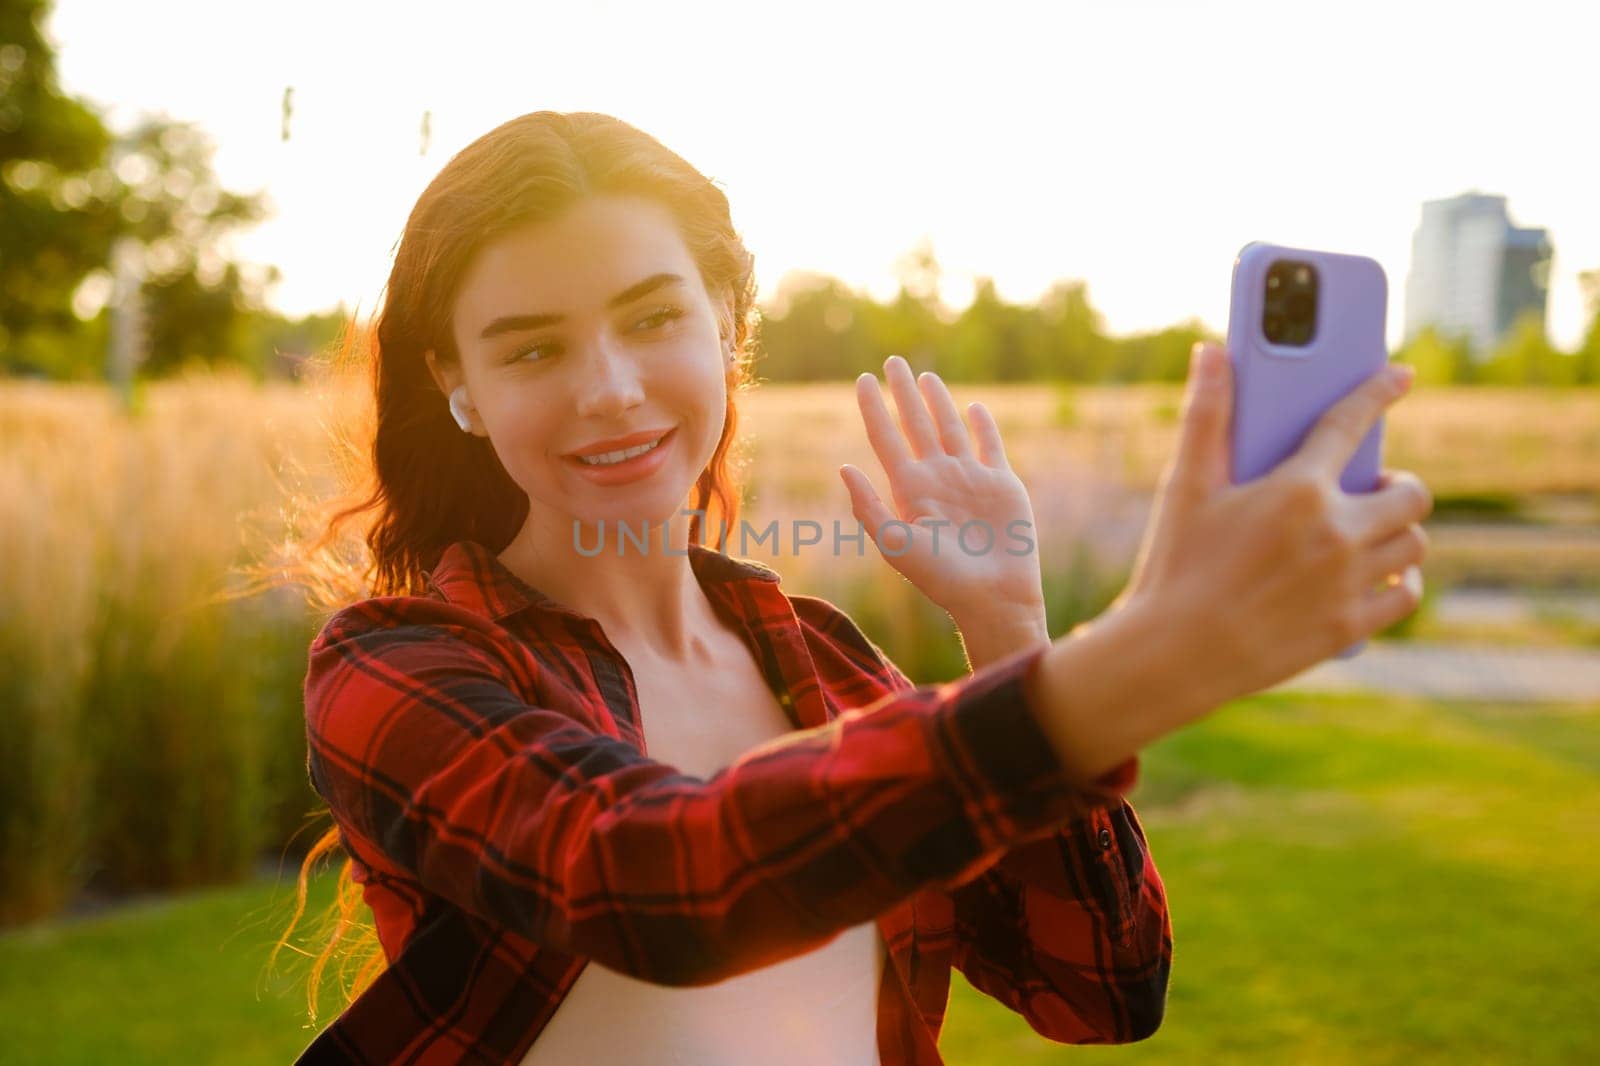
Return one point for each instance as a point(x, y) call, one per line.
point(1304, 329)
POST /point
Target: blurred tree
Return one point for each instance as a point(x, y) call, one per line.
point(1588, 354)
point(995, 341)
point(1440, 359)
point(71, 192)
point(1526, 357)
point(1080, 349)
point(288, 342)
point(812, 331)
point(909, 325)
point(198, 304)
point(1159, 356)
point(58, 202)
point(914, 321)
point(817, 329)
point(919, 273)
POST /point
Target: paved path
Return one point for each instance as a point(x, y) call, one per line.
point(1464, 672)
point(1466, 606)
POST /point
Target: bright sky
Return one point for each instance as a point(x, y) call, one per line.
point(1134, 144)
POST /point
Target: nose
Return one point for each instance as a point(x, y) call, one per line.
point(610, 383)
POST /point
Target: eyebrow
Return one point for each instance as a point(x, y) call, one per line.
point(519, 323)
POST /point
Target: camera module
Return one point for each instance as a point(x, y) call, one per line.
point(1289, 311)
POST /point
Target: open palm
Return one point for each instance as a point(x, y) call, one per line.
point(939, 472)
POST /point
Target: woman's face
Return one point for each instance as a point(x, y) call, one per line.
point(589, 327)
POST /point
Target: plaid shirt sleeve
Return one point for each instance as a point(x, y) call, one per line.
point(1070, 929)
point(437, 759)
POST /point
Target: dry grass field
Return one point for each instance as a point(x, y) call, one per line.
point(1092, 456)
point(1463, 441)
point(93, 502)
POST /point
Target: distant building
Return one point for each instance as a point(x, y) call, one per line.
point(1473, 272)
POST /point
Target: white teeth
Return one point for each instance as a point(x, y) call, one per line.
point(607, 458)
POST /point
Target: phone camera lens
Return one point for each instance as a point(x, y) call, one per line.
point(1289, 303)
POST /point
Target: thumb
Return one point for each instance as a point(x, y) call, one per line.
point(871, 511)
point(1204, 454)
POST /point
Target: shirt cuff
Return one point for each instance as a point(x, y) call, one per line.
point(997, 752)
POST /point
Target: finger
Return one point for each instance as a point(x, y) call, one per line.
point(882, 432)
point(1202, 462)
point(1386, 606)
point(952, 431)
point(1400, 500)
point(870, 510)
point(914, 420)
point(1332, 442)
point(991, 449)
point(1409, 547)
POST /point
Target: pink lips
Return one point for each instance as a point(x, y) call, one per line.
point(617, 444)
point(640, 466)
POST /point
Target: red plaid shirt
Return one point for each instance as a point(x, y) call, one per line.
point(480, 749)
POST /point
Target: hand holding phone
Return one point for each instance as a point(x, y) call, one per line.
point(1275, 556)
point(1304, 328)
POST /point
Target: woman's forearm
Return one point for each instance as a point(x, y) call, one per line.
point(1112, 685)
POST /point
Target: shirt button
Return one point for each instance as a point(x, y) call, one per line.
point(1105, 839)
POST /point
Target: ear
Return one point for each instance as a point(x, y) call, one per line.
point(724, 309)
point(446, 377)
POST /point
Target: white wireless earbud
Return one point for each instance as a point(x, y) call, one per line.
point(458, 408)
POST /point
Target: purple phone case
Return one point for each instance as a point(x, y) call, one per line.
point(1280, 391)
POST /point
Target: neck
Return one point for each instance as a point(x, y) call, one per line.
point(644, 597)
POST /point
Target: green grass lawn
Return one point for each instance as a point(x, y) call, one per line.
point(1351, 880)
point(1357, 880)
point(176, 980)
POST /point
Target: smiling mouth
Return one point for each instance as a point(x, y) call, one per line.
point(622, 455)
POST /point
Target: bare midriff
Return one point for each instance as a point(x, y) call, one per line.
point(817, 1007)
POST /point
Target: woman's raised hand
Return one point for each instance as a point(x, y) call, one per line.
point(1282, 572)
point(968, 541)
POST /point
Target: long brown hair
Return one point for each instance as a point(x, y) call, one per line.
point(412, 482)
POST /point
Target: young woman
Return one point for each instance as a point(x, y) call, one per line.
point(640, 804)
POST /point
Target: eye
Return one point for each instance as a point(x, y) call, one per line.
point(660, 317)
point(528, 349)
